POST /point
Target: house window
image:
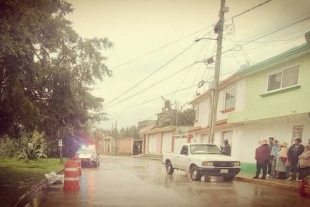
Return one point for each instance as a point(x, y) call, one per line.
point(230, 98)
point(283, 79)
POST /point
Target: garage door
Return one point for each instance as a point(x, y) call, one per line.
point(152, 144)
point(179, 140)
point(166, 144)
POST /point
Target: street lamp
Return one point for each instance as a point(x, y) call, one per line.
point(197, 40)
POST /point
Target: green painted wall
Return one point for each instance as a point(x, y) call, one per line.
point(291, 102)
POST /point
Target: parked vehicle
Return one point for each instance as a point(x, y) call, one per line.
point(89, 156)
point(202, 159)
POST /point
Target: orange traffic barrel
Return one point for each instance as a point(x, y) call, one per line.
point(71, 177)
point(78, 161)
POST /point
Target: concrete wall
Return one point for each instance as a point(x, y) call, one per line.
point(279, 128)
point(124, 145)
point(107, 145)
point(203, 114)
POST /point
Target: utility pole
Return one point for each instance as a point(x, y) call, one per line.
point(214, 93)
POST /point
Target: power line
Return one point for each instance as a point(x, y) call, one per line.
point(195, 61)
point(174, 57)
point(183, 89)
point(151, 73)
point(153, 51)
point(162, 80)
point(271, 41)
point(289, 25)
point(154, 72)
point(284, 27)
point(154, 99)
point(262, 46)
point(277, 30)
point(199, 70)
point(178, 40)
point(246, 11)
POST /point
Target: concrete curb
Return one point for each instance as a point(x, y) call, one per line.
point(267, 182)
point(24, 197)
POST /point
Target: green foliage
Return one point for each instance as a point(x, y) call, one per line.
point(8, 147)
point(131, 132)
point(187, 117)
point(32, 148)
point(47, 70)
point(32, 152)
point(170, 117)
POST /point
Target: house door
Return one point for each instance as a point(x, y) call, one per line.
point(166, 144)
point(152, 143)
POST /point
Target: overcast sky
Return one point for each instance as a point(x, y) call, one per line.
point(140, 29)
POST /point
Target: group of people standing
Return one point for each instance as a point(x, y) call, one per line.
point(276, 160)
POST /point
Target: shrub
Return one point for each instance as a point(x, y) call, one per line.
point(32, 152)
point(8, 147)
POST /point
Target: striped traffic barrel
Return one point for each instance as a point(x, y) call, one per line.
point(71, 176)
point(78, 161)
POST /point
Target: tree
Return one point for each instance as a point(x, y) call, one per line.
point(131, 132)
point(177, 117)
point(187, 117)
point(47, 70)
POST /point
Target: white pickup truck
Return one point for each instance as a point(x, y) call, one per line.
point(202, 159)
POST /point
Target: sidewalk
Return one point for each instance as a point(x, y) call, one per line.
point(284, 184)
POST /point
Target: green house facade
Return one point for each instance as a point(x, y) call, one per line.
point(276, 102)
point(268, 99)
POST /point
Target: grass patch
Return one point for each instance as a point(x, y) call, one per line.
point(18, 177)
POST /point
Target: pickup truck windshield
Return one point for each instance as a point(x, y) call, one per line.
point(204, 149)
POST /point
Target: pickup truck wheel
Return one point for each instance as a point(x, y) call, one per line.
point(230, 178)
point(169, 168)
point(194, 173)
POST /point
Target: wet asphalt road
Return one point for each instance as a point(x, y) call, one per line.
point(126, 181)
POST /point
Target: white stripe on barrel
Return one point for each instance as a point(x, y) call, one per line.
point(71, 169)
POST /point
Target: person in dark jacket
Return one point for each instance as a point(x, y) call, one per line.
point(262, 156)
point(226, 149)
point(293, 153)
point(269, 165)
